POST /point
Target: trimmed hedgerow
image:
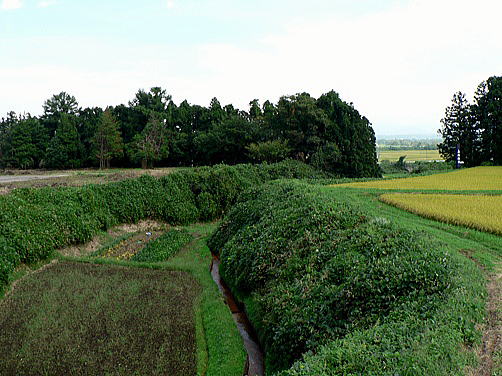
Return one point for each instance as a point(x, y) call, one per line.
point(164, 247)
point(315, 274)
point(34, 222)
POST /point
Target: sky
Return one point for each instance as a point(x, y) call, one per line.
point(398, 61)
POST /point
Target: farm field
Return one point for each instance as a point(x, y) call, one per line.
point(163, 314)
point(12, 179)
point(367, 278)
point(411, 155)
point(66, 320)
point(469, 179)
point(482, 212)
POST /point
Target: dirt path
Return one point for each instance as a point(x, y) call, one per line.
point(490, 352)
point(491, 349)
point(16, 178)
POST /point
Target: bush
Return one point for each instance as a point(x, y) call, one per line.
point(311, 270)
point(34, 222)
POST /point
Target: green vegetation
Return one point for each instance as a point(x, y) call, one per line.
point(164, 247)
point(83, 319)
point(154, 130)
point(335, 287)
point(34, 222)
point(475, 128)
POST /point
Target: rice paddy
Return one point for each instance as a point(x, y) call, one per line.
point(469, 179)
point(482, 212)
point(411, 155)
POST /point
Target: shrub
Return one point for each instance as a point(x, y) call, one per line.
point(34, 222)
point(312, 270)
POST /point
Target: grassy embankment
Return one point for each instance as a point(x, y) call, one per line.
point(348, 245)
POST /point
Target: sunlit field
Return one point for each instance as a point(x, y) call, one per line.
point(471, 179)
point(482, 212)
point(411, 155)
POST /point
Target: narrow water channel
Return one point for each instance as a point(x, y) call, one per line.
point(255, 364)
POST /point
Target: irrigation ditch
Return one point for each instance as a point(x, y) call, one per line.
point(255, 365)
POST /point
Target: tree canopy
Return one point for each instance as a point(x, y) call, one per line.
point(326, 132)
point(476, 127)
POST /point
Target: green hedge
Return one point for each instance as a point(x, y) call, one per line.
point(319, 277)
point(34, 222)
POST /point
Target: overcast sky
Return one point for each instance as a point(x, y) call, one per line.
point(399, 62)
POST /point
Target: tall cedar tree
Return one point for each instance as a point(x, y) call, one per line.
point(107, 141)
point(488, 114)
point(458, 128)
point(64, 149)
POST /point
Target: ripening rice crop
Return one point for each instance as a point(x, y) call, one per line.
point(477, 178)
point(482, 212)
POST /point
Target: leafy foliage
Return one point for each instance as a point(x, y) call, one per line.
point(313, 271)
point(34, 222)
point(325, 132)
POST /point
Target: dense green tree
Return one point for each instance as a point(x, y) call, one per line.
point(87, 122)
point(458, 128)
point(107, 141)
point(6, 125)
point(151, 144)
point(65, 149)
point(26, 143)
point(324, 132)
point(225, 142)
point(352, 134)
point(301, 124)
point(57, 106)
point(487, 112)
point(268, 151)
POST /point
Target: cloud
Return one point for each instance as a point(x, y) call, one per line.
point(11, 4)
point(400, 66)
point(46, 3)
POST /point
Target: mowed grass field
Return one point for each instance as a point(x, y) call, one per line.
point(482, 212)
point(411, 155)
point(83, 319)
point(469, 179)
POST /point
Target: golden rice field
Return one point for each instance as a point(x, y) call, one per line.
point(482, 212)
point(411, 155)
point(469, 179)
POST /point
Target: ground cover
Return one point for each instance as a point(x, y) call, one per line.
point(411, 155)
point(34, 222)
point(469, 179)
point(359, 294)
point(483, 212)
point(84, 319)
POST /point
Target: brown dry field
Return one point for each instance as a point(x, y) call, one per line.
point(76, 177)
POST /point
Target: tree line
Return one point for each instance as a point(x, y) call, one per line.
point(325, 132)
point(475, 127)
